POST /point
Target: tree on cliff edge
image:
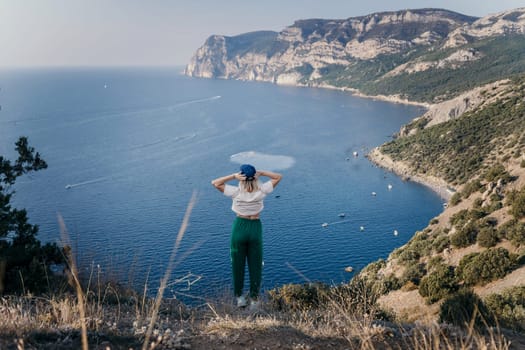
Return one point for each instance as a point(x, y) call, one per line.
point(24, 262)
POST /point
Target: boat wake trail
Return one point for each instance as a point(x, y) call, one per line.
point(334, 223)
point(68, 186)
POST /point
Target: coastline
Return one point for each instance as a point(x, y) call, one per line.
point(401, 169)
point(358, 93)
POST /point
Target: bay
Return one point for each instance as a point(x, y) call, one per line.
point(126, 149)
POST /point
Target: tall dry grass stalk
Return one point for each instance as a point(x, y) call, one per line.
point(169, 269)
point(70, 259)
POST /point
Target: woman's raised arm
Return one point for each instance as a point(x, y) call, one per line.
point(274, 177)
point(219, 182)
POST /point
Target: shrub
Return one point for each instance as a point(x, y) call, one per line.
point(413, 274)
point(438, 284)
point(517, 234)
point(476, 213)
point(409, 256)
point(298, 296)
point(440, 243)
point(388, 284)
point(374, 267)
point(464, 307)
point(470, 188)
point(358, 297)
point(509, 307)
point(477, 203)
point(434, 263)
point(496, 173)
point(455, 199)
point(488, 237)
point(486, 266)
point(459, 219)
point(493, 206)
point(516, 201)
point(465, 236)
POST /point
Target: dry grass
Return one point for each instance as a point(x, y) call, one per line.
point(335, 323)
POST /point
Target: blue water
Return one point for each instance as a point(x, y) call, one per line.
point(134, 144)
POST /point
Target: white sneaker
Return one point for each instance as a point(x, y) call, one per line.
point(255, 305)
point(241, 301)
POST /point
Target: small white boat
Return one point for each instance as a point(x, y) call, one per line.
point(355, 154)
point(374, 194)
point(342, 215)
point(68, 186)
point(349, 269)
point(396, 233)
point(324, 224)
point(361, 228)
point(389, 187)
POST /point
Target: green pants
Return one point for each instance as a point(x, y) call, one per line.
point(246, 245)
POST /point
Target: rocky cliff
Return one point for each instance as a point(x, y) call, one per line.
point(371, 53)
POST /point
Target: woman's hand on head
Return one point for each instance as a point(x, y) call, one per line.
point(239, 176)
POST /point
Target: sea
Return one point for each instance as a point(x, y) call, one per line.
point(128, 148)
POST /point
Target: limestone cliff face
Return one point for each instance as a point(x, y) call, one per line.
point(504, 23)
point(300, 52)
point(318, 52)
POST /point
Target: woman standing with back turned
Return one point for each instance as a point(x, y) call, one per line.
point(246, 236)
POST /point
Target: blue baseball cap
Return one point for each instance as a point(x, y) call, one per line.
point(248, 171)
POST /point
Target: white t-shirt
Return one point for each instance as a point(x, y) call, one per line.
point(248, 203)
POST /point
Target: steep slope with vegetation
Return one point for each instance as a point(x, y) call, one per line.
point(474, 251)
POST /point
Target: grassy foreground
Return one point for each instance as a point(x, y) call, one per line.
point(108, 317)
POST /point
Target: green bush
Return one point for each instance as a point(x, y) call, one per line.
point(413, 273)
point(494, 263)
point(477, 203)
point(493, 206)
point(517, 234)
point(496, 173)
point(505, 228)
point(509, 308)
point(298, 297)
point(464, 307)
point(514, 231)
point(464, 236)
point(516, 200)
point(438, 284)
point(471, 187)
point(440, 243)
point(488, 237)
point(476, 213)
point(459, 219)
point(388, 284)
point(409, 256)
point(455, 199)
point(434, 263)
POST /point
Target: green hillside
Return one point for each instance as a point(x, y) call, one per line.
point(502, 57)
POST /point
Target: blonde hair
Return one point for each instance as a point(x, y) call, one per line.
point(249, 185)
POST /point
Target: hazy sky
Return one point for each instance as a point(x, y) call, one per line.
point(163, 32)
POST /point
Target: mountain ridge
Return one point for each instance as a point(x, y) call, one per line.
point(374, 54)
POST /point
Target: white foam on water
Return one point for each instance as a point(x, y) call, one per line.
point(263, 161)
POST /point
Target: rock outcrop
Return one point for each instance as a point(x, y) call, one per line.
point(300, 52)
point(377, 54)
